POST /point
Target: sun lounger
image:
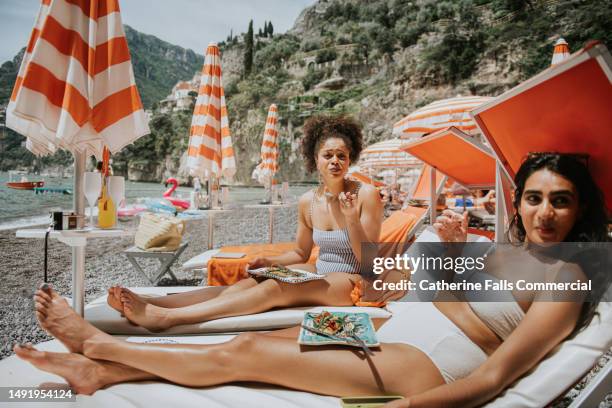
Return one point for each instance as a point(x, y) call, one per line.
point(109, 320)
point(400, 228)
point(550, 379)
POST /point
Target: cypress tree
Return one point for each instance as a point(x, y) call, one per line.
point(270, 29)
point(248, 53)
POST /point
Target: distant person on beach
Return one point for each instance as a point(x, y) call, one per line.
point(433, 353)
point(338, 216)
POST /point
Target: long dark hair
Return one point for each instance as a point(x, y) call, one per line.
point(591, 225)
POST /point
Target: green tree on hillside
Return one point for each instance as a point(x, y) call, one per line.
point(248, 53)
point(270, 29)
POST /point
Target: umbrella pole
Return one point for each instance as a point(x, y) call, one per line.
point(78, 252)
point(499, 205)
point(433, 199)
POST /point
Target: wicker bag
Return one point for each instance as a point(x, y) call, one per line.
point(159, 233)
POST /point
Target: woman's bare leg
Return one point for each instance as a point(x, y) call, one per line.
point(178, 299)
point(261, 358)
point(334, 290)
point(249, 357)
point(59, 319)
point(85, 376)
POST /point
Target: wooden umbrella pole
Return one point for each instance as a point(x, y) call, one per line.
point(78, 252)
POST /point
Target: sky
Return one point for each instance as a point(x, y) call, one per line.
point(187, 23)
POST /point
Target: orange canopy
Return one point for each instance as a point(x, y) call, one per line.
point(565, 108)
point(455, 154)
point(421, 189)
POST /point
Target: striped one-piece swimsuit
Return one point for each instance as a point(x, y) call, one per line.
point(335, 252)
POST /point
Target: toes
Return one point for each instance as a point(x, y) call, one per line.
point(41, 311)
point(40, 317)
point(41, 300)
point(42, 294)
point(27, 351)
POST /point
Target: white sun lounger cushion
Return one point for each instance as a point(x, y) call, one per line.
point(109, 320)
point(563, 367)
point(200, 261)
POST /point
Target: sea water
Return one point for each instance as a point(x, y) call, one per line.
point(20, 208)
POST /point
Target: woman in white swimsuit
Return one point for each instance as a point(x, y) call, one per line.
point(434, 354)
point(338, 216)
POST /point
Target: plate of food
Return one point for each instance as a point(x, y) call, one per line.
point(284, 274)
point(342, 328)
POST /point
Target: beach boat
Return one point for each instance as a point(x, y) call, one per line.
point(23, 183)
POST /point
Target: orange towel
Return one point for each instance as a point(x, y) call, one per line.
point(224, 272)
point(357, 293)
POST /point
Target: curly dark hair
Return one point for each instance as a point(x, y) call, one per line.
point(590, 227)
point(319, 128)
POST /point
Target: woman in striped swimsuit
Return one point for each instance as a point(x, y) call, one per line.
point(338, 216)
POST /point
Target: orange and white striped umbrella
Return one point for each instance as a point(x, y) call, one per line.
point(439, 115)
point(561, 52)
point(387, 153)
point(210, 151)
point(265, 170)
point(75, 88)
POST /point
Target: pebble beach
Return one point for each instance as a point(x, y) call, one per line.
point(21, 264)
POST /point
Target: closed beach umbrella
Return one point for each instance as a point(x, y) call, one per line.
point(76, 91)
point(210, 151)
point(387, 154)
point(75, 88)
point(265, 170)
point(561, 52)
point(439, 115)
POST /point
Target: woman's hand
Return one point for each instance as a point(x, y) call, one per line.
point(349, 206)
point(452, 227)
point(259, 262)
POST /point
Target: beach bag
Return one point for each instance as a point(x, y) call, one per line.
point(159, 233)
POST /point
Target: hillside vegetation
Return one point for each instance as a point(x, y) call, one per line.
point(377, 60)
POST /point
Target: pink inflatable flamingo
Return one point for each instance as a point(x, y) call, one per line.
point(177, 202)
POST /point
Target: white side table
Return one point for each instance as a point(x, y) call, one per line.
point(77, 240)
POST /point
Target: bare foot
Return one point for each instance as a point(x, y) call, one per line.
point(138, 311)
point(58, 319)
point(81, 373)
point(114, 298)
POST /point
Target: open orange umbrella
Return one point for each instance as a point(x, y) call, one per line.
point(210, 151)
point(265, 170)
point(75, 90)
point(565, 108)
point(458, 156)
point(439, 115)
point(387, 154)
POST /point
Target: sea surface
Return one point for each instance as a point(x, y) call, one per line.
point(20, 208)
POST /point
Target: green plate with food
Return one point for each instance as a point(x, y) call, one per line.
point(342, 328)
point(284, 274)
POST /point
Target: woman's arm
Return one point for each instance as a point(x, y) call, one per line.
point(363, 226)
point(545, 325)
point(304, 239)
